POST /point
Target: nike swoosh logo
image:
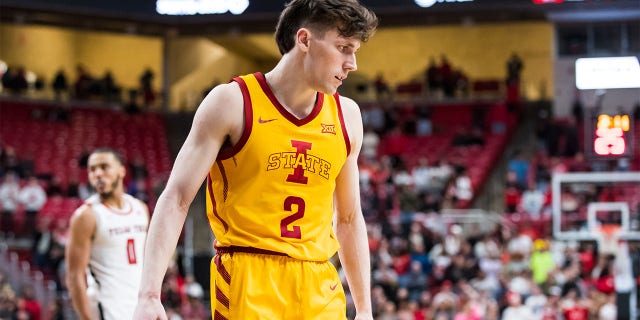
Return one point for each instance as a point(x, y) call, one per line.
point(265, 121)
point(333, 287)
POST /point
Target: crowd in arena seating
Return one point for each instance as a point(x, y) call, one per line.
point(423, 267)
point(18, 81)
point(427, 268)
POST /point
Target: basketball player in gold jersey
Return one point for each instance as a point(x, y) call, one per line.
point(279, 153)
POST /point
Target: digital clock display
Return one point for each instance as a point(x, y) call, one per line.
point(611, 135)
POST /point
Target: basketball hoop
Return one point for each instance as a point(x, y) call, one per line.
point(608, 236)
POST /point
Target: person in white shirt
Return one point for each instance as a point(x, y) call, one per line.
point(532, 201)
point(107, 238)
point(516, 310)
point(33, 197)
point(9, 191)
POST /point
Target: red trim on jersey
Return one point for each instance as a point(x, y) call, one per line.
point(222, 298)
point(116, 210)
point(221, 269)
point(298, 122)
point(342, 124)
point(213, 202)
point(225, 182)
point(248, 122)
point(234, 249)
point(218, 316)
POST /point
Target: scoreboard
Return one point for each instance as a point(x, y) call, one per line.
point(609, 136)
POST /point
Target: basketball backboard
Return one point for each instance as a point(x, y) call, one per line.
point(584, 201)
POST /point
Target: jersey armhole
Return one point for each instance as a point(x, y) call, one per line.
point(248, 122)
point(345, 133)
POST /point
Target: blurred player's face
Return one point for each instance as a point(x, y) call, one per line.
point(105, 173)
point(329, 60)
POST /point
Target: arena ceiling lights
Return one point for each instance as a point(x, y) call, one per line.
point(193, 7)
point(607, 73)
point(430, 3)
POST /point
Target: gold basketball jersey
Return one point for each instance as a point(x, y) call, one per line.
point(274, 189)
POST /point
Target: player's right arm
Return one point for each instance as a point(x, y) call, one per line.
point(81, 230)
point(219, 115)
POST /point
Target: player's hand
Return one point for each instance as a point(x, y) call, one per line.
point(149, 309)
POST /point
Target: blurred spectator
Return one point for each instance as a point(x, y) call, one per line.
point(448, 80)
point(72, 187)
point(9, 80)
point(9, 200)
point(56, 309)
point(461, 81)
point(383, 92)
point(463, 188)
point(609, 311)
point(138, 188)
point(193, 308)
point(541, 261)
point(512, 196)
point(132, 106)
point(573, 307)
point(577, 108)
point(514, 68)
point(445, 302)
point(42, 243)
point(467, 137)
point(172, 288)
point(55, 188)
point(424, 127)
point(12, 163)
point(84, 84)
point(373, 117)
point(433, 77)
point(33, 197)
point(470, 311)
point(516, 310)
point(110, 90)
point(370, 142)
point(532, 201)
point(146, 87)
point(137, 168)
point(84, 158)
point(29, 303)
point(519, 165)
point(60, 85)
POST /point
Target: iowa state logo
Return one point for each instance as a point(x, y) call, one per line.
point(300, 161)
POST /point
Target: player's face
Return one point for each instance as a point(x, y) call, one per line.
point(105, 173)
point(330, 59)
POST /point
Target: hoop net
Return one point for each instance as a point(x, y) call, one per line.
point(608, 236)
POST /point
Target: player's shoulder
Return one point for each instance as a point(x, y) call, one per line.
point(349, 107)
point(350, 111)
point(223, 95)
point(224, 103)
point(83, 215)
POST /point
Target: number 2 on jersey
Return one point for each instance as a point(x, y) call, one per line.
point(294, 232)
point(131, 251)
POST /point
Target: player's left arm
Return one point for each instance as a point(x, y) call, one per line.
point(350, 225)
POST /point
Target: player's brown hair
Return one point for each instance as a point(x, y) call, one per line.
point(349, 17)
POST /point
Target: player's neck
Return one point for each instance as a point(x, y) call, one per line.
point(290, 88)
point(114, 200)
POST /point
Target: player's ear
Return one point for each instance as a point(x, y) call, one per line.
point(123, 171)
point(302, 39)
